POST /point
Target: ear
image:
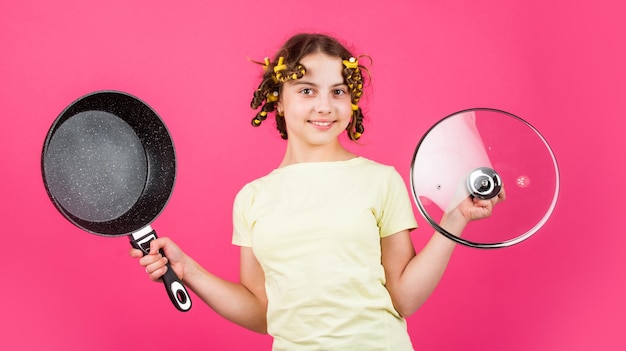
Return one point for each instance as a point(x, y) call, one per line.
point(279, 107)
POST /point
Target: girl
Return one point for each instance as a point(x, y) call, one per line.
point(327, 262)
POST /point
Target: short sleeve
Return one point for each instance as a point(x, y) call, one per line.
point(397, 211)
point(242, 226)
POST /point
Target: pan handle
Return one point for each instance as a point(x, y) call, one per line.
point(175, 289)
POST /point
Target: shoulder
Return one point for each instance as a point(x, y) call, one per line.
point(379, 169)
point(250, 189)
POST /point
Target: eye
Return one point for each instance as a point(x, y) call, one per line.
point(340, 92)
point(306, 91)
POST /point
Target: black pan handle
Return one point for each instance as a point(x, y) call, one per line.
point(175, 289)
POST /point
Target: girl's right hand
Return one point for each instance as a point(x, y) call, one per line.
point(155, 263)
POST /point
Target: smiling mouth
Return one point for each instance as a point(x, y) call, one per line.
point(322, 123)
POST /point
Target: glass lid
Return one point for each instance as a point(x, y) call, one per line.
point(478, 153)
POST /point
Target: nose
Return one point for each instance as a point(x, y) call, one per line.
point(323, 104)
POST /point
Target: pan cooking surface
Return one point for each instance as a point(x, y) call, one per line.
point(96, 166)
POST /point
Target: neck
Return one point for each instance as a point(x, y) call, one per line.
point(315, 153)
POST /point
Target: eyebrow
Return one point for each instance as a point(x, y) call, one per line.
point(304, 82)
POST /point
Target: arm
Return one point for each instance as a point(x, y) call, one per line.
point(411, 277)
point(243, 303)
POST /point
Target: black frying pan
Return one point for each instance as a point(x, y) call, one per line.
point(108, 165)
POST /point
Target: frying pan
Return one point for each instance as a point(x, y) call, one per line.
point(476, 153)
point(109, 166)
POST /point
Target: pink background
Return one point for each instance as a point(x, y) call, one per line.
point(557, 64)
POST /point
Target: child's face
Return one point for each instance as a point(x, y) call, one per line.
point(317, 107)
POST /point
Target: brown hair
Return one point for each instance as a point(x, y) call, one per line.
point(294, 49)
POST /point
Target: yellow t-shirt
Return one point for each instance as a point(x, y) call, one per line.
point(315, 228)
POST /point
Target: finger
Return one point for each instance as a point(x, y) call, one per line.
point(481, 203)
point(157, 244)
point(156, 264)
point(495, 200)
point(502, 195)
point(157, 269)
point(150, 259)
point(154, 247)
point(135, 253)
point(482, 208)
point(157, 274)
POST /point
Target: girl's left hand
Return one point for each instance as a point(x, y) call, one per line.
point(473, 208)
